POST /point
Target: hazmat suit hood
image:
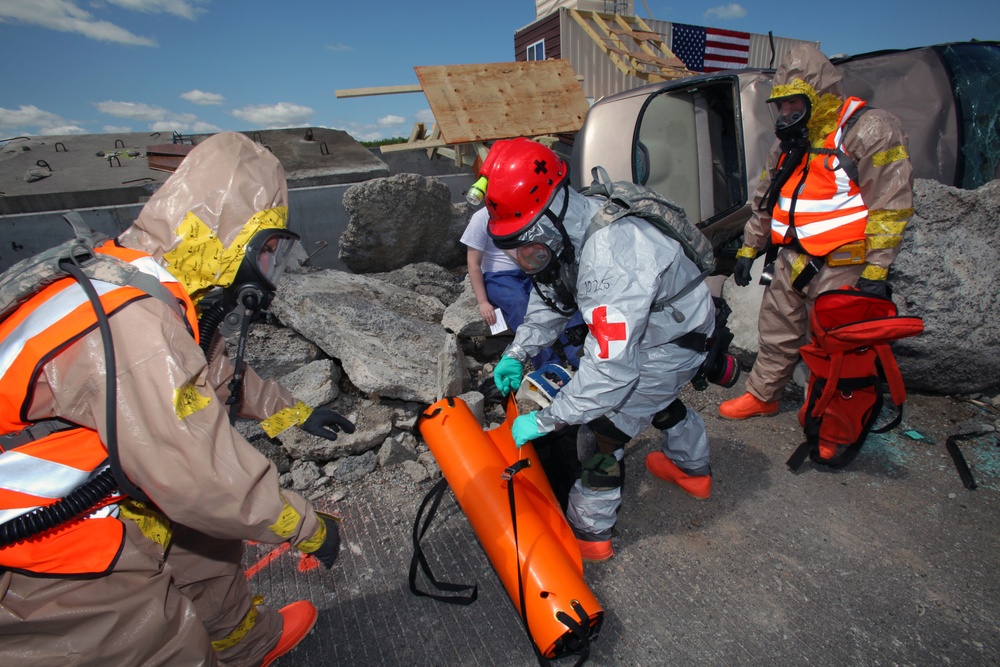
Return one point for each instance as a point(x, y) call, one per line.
point(198, 223)
point(806, 71)
point(579, 212)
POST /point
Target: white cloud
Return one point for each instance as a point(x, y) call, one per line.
point(202, 127)
point(169, 126)
point(62, 129)
point(339, 47)
point(425, 116)
point(201, 97)
point(117, 129)
point(27, 116)
point(160, 119)
point(366, 136)
point(67, 16)
point(282, 114)
point(133, 110)
point(725, 12)
point(390, 121)
point(30, 120)
point(183, 8)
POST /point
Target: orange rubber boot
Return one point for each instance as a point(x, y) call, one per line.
point(698, 487)
point(747, 406)
point(595, 552)
point(299, 618)
point(827, 451)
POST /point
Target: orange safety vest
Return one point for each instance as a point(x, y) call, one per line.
point(41, 472)
point(819, 204)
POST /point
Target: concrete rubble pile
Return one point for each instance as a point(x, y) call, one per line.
point(382, 343)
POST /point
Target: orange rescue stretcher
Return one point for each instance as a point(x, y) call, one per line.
point(540, 561)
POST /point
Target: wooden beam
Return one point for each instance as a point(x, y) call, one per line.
point(383, 90)
point(622, 66)
point(413, 146)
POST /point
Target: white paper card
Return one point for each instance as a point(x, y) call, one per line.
point(500, 326)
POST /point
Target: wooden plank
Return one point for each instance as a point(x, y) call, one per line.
point(622, 66)
point(418, 132)
point(412, 146)
point(637, 35)
point(380, 90)
point(480, 102)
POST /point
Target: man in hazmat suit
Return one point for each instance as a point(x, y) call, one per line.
point(633, 364)
point(836, 198)
point(145, 567)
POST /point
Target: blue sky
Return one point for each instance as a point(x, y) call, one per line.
point(196, 66)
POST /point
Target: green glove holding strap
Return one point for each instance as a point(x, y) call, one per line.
point(507, 374)
point(524, 429)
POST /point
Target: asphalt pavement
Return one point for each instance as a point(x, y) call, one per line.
point(891, 561)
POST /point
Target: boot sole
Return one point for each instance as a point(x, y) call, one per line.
point(757, 414)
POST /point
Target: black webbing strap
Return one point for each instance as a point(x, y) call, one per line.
point(36, 431)
point(580, 627)
point(692, 340)
point(810, 448)
point(808, 272)
point(964, 473)
point(508, 476)
point(434, 497)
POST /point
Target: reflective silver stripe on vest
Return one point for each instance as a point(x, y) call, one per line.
point(28, 474)
point(101, 512)
point(150, 266)
point(61, 305)
point(53, 310)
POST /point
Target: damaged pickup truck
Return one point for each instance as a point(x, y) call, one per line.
point(702, 141)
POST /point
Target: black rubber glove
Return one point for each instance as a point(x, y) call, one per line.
point(741, 272)
point(326, 423)
point(330, 549)
point(875, 287)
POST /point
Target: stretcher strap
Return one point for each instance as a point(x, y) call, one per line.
point(434, 497)
point(580, 629)
point(508, 476)
point(964, 473)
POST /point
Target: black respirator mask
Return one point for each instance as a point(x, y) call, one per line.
point(229, 309)
point(790, 124)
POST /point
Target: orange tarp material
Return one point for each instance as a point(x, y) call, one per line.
point(473, 462)
point(503, 100)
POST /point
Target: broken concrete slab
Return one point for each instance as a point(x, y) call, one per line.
point(389, 339)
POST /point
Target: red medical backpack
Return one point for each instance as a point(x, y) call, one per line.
point(850, 363)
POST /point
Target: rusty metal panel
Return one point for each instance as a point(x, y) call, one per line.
point(479, 102)
point(166, 157)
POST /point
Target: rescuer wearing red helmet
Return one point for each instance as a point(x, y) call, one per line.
point(632, 368)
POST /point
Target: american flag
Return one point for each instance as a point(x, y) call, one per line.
point(710, 49)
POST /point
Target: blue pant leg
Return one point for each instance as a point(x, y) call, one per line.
point(509, 291)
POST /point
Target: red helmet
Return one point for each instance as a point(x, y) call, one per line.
point(522, 178)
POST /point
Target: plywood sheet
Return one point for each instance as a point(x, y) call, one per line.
point(487, 101)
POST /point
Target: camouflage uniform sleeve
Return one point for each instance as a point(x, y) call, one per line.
point(885, 176)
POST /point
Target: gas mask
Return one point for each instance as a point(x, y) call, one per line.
point(791, 115)
point(230, 309)
point(539, 249)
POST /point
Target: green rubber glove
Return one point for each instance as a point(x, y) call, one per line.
point(507, 374)
point(524, 429)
